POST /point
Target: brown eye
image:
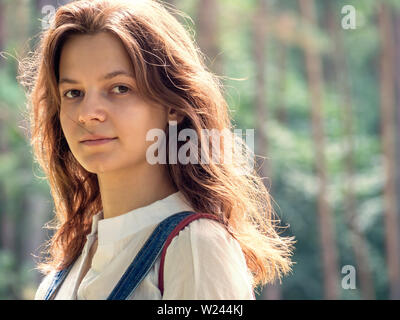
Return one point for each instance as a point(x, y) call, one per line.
point(71, 94)
point(120, 89)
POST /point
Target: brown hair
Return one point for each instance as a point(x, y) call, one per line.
point(170, 69)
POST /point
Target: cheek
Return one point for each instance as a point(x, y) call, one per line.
point(135, 127)
point(138, 121)
point(66, 127)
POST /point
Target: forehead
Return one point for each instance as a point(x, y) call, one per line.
point(93, 55)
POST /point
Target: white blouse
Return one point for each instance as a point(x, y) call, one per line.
point(202, 262)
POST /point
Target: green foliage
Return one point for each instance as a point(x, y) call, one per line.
point(8, 276)
point(291, 155)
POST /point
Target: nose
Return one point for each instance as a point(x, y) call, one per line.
point(92, 109)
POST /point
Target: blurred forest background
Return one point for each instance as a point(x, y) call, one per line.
point(323, 95)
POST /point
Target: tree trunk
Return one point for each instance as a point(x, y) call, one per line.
point(358, 240)
point(281, 112)
point(2, 31)
point(208, 32)
point(17, 17)
point(397, 68)
point(7, 225)
point(260, 36)
point(326, 221)
point(389, 149)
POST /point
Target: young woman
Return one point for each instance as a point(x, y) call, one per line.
point(106, 73)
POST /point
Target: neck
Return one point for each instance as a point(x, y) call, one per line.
point(129, 189)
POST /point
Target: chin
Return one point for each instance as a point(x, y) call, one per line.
point(97, 168)
point(101, 165)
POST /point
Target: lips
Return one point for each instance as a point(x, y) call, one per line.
point(96, 137)
point(97, 142)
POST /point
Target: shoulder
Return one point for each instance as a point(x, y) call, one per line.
point(204, 261)
point(204, 233)
point(208, 230)
point(207, 238)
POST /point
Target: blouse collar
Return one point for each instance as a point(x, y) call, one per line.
point(116, 228)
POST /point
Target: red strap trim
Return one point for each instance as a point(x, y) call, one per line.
point(174, 232)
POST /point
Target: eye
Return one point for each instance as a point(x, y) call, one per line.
point(71, 94)
point(120, 89)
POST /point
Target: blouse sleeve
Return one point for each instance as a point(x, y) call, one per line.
point(204, 262)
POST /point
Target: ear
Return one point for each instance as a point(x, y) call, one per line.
point(173, 115)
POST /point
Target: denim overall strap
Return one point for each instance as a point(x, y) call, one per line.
point(177, 229)
point(146, 257)
point(59, 277)
point(140, 266)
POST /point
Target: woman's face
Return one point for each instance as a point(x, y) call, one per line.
point(99, 98)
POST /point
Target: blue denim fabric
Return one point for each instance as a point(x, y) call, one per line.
point(57, 280)
point(140, 265)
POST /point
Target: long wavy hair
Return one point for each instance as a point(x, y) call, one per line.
point(171, 70)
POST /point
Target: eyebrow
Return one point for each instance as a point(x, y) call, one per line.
point(108, 76)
